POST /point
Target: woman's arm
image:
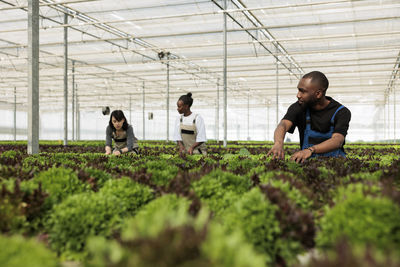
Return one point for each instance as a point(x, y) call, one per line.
point(108, 140)
point(129, 139)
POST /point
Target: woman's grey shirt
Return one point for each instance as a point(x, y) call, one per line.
point(130, 137)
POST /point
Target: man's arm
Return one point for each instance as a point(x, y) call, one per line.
point(279, 135)
point(335, 142)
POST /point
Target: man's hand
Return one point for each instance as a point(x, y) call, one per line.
point(301, 156)
point(190, 151)
point(279, 135)
point(277, 151)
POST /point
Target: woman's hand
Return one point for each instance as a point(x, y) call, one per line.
point(116, 153)
point(108, 150)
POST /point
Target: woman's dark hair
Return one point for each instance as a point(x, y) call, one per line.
point(119, 116)
point(187, 99)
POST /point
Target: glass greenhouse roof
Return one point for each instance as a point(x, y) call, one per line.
point(114, 48)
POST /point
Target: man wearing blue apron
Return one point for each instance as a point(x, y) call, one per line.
point(322, 122)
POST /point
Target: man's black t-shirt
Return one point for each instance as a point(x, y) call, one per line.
point(320, 119)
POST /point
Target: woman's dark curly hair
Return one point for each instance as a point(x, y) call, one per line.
point(119, 116)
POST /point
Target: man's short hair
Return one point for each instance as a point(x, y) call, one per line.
point(319, 77)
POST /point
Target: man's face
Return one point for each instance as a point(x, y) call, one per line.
point(181, 107)
point(308, 92)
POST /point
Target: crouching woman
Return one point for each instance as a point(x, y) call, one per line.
point(122, 133)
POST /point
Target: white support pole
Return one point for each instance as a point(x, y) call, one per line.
point(248, 115)
point(33, 77)
point(167, 96)
point(217, 114)
point(388, 118)
point(65, 81)
point(384, 120)
point(277, 86)
point(268, 122)
point(143, 112)
point(78, 120)
point(73, 100)
point(225, 77)
point(15, 114)
point(394, 113)
point(76, 112)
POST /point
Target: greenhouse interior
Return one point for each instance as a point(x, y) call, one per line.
point(140, 56)
point(215, 159)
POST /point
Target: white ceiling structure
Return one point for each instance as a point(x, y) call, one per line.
point(115, 45)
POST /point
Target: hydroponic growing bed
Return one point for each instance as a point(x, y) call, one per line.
point(234, 207)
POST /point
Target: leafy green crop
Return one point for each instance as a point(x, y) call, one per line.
point(162, 171)
point(80, 216)
point(17, 251)
point(361, 219)
point(59, 183)
point(174, 238)
point(166, 211)
point(131, 194)
point(220, 189)
point(254, 216)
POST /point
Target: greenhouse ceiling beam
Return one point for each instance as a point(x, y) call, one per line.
point(55, 21)
point(249, 77)
point(261, 28)
point(160, 77)
point(131, 38)
point(91, 107)
point(290, 6)
point(208, 92)
point(233, 65)
point(205, 2)
point(237, 68)
point(353, 99)
point(261, 92)
point(329, 51)
point(48, 4)
point(373, 49)
point(253, 19)
point(190, 15)
point(259, 88)
point(283, 40)
point(86, 88)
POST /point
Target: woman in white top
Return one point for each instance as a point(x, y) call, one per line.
point(190, 132)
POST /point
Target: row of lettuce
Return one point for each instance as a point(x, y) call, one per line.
point(232, 208)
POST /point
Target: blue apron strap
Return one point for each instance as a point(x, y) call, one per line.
point(334, 114)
